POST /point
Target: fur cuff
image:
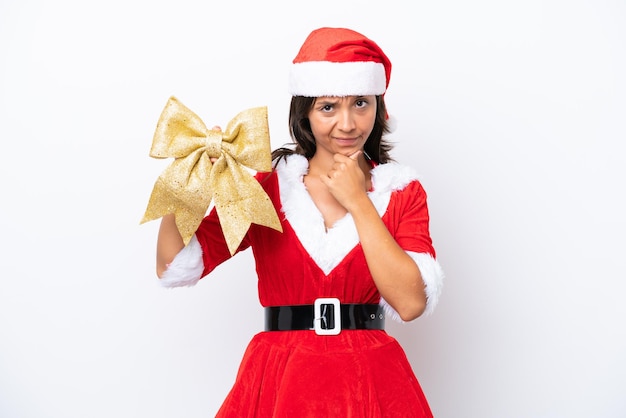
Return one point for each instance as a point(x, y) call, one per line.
point(432, 275)
point(186, 268)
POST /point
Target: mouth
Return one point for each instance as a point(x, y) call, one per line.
point(347, 142)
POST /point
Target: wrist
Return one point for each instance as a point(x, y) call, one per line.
point(361, 206)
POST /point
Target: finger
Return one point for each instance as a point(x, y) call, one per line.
point(325, 179)
point(340, 158)
point(355, 155)
point(337, 167)
point(217, 128)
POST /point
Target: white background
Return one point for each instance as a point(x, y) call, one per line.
point(513, 112)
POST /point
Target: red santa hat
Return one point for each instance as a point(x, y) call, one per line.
point(339, 62)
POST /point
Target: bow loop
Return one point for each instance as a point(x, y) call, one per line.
point(242, 133)
point(179, 132)
point(188, 185)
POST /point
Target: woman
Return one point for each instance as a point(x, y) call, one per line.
point(354, 247)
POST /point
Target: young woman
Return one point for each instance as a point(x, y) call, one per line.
point(355, 247)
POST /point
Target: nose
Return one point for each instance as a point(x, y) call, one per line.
point(346, 120)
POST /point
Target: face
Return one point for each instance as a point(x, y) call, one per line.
point(342, 124)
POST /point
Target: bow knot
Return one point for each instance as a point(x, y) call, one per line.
point(214, 144)
point(192, 180)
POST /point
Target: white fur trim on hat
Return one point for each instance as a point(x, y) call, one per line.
point(324, 78)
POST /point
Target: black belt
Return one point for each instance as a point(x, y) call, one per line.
point(322, 317)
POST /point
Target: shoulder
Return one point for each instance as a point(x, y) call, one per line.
point(289, 170)
point(293, 164)
point(393, 176)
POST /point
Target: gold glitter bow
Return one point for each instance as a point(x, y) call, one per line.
point(188, 184)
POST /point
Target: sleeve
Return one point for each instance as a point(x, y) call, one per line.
point(211, 239)
point(411, 220)
point(206, 250)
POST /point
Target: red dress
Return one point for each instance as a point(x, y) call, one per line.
point(358, 373)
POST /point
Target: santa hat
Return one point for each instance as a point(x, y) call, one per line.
point(339, 62)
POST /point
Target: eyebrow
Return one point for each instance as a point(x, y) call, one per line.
point(333, 100)
point(327, 100)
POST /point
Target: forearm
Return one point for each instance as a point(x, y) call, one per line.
point(169, 243)
point(396, 275)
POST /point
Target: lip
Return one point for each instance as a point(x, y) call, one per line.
point(347, 141)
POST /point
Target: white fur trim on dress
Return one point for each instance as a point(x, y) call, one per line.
point(186, 268)
point(328, 247)
point(432, 276)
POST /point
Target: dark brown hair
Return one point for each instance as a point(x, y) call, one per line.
point(376, 147)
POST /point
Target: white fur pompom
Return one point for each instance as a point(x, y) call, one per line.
point(392, 123)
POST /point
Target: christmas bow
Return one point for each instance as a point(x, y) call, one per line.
point(188, 184)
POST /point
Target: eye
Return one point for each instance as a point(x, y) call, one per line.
point(326, 108)
point(360, 103)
